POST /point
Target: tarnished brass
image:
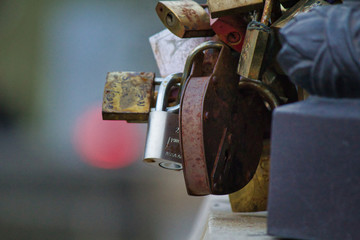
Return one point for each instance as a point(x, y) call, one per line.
point(255, 43)
point(219, 8)
point(185, 19)
point(300, 7)
point(128, 96)
point(253, 197)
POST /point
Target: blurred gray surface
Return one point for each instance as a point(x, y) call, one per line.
point(54, 56)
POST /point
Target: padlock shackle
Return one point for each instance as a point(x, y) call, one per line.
point(268, 6)
point(262, 89)
point(164, 90)
point(188, 67)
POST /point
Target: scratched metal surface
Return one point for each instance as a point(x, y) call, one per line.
point(127, 96)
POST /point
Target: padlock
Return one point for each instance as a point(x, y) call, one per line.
point(300, 7)
point(219, 8)
point(253, 197)
point(170, 51)
point(186, 19)
point(221, 130)
point(128, 96)
point(255, 44)
point(231, 30)
point(162, 143)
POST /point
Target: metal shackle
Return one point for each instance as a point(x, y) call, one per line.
point(164, 91)
point(188, 67)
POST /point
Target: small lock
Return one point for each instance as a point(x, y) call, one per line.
point(162, 143)
point(128, 96)
point(186, 19)
point(231, 30)
point(219, 8)
point(255, 45)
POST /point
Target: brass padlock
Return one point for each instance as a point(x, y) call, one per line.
point(186, 19)
point(162, 143)
point(300, 7)
point(219, 8)
point(255, 44)
point(128, 96)
point(253, 197)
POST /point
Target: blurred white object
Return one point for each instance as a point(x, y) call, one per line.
point(171, 51)
point(217, 221)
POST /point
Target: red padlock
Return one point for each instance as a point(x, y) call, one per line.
point(231, 30)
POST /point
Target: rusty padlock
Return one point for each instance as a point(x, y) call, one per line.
point(253, 196)
point(221, 131)
point(219, 8)
point(186, 19)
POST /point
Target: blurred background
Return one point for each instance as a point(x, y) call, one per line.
point(65, 173)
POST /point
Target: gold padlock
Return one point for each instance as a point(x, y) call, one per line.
point(128, 96)
point(186, 19)
point(253, 197)
point(255, 44)
point(300, 7)
point(219, 8)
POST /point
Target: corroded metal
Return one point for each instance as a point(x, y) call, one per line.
point(268, 6)
point(221, 130)
point(253, 197)
point(128, 96)
point(186, 19)
point(219, 8)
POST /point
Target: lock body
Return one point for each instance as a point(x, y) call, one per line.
point(185, 19)
point(253, 197)
point(221, 130)
point(128, 96)
point(252, 54)
point(231, 30)
point(219, 8)
point(255, 45)
point(162, 143)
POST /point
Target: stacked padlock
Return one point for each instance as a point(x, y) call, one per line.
point(213, 119)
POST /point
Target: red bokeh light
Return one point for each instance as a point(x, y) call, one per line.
point(107, 144)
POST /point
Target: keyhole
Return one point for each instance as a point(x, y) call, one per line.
point(170, 19)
